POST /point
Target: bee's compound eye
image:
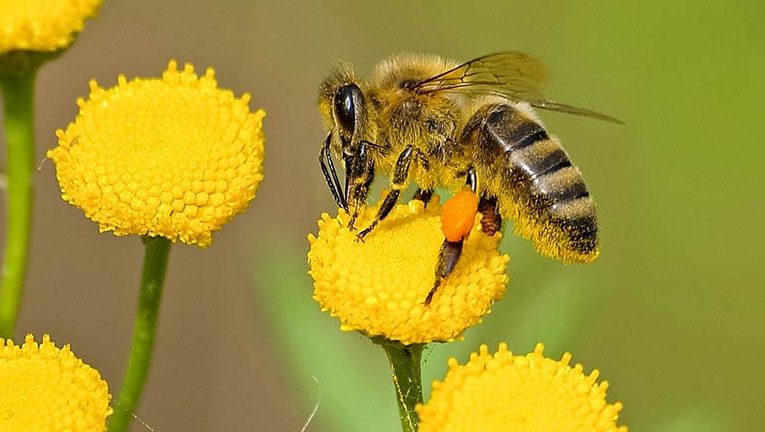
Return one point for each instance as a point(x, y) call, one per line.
point(345, 106)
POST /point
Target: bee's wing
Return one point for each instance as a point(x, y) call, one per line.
point(513, 75)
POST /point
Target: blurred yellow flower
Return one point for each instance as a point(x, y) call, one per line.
point(173, 157)
point(531, 393)
point(44, 388)
point(379, 286)
point(42, 25)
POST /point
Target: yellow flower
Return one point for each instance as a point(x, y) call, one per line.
point(379, 286)
point(44, 388)
point(173, 157)
point(42, 25)
point(531, 393)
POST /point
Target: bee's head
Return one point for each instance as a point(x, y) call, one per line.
point(344, 108)
point(346, 114)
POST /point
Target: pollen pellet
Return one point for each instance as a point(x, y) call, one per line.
point(458, 215)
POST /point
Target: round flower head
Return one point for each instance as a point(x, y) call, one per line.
point(379, 286)
point(42, 25)
point(531, 393)
point(173, 157)
point(44, 388)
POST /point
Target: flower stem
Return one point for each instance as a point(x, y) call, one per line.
point(144, 330)
point(406, 373)
point(18, 106)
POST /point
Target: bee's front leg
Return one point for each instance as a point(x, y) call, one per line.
point(358, 196)
point(398, 182)
point(360, 171)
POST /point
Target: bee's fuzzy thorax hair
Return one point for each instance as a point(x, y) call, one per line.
point(409, 66)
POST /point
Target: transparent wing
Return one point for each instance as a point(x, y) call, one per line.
point(515, 74)
point(512, 75)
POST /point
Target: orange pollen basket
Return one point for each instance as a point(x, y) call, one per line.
point(458, 215)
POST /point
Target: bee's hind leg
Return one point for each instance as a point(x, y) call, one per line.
point(491, 221)
point(447, 259)
point(451, 250)
point(400, 174)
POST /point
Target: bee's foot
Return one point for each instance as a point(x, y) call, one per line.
point(365, 231)
point(432, 292)
point(360, 236)
point(351, 224)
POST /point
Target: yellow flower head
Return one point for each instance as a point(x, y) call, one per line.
point(44, 388)
point(531, 393)
point(173, 157)
point(379, 286)
point(42, 25)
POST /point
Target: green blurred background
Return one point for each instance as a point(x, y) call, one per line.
point(671, 313)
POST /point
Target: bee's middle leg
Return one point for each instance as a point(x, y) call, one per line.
point(400, 174)
point(424, 195)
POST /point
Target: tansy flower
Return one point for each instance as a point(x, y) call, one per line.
point(45, 388)
point(173, 157)
point(379, 286)
point(531, 393)
point(42, 25)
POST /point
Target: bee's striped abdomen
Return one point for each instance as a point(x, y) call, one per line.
point(538, 186)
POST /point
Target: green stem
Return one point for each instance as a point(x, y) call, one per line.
point(407, 379)
point(18, 105)
point(144, 330)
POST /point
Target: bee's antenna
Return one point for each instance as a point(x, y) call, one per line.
point(330, 174)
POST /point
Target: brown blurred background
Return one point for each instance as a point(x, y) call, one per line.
point(672, 312)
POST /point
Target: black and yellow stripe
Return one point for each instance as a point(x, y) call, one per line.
point(538, 186)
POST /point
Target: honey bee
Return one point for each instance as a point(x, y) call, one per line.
point(439, 123)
